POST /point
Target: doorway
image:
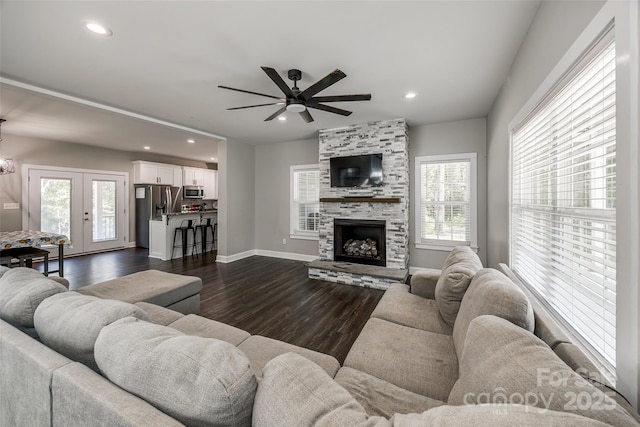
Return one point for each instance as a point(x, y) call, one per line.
point(90, 207)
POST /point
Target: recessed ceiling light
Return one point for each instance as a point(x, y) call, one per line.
point(191, 141)
point(410, 95)
point(97, 28)
point(282, 118)
point(146, 147)
point(213, 158)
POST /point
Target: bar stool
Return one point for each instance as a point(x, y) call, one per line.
point(203, 234)
point(184, 230)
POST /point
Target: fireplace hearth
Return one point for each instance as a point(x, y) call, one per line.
point(360, 241)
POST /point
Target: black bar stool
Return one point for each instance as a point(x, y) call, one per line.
point(184, 230)
point(203, 234)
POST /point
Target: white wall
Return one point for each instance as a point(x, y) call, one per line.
point(465, 136)
point(273, 197)
point(557, 37)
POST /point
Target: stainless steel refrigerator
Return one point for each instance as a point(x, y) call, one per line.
point(151, 202)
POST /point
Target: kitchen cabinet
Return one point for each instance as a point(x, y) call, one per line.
point(211, 184)
point(156, 173)
point(193, 176)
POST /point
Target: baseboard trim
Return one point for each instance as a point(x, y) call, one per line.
point(226, 259)
point(130, 245)
point(286, 255)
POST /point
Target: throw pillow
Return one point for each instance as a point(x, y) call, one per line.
point(198, 381)
point(21, 292)
point(296, 392)
point(503, 363)
point(70, 323)
point(457, 271)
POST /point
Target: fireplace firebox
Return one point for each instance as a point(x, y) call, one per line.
point(360, 241)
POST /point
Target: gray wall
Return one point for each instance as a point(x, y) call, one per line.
point(555, 28)
point(273, 196)
point(545, 54)
point(236, 199)
point(35, 151)
point(465, 136)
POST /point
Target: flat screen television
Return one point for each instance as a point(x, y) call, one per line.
point(356, 171)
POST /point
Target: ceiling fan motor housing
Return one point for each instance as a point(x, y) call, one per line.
point(294, 75)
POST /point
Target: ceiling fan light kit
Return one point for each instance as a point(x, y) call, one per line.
point(298, 101)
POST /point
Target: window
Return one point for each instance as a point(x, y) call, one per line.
point(563, 193)
point(446, 201)
point(305, 201)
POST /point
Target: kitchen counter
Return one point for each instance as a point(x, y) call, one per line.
point(161, 232)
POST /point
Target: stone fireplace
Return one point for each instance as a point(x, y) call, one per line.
point(386, 205)
point(359, 241)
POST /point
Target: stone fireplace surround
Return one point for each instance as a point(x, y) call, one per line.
point(388, 203)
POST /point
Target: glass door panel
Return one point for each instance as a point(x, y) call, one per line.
point(55, 205)
point(104, 211)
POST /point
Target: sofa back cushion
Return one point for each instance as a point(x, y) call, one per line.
point(294, 391)
point(457, 271)
point(491, 292)
point(21, 291)
point(503, 363)
point(198, 381)
point(70, 323)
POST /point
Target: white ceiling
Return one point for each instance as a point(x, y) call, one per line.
point(166, 59)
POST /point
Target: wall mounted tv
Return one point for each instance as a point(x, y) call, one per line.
point(356, 171)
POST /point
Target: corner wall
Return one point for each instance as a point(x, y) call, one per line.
point(464, 136)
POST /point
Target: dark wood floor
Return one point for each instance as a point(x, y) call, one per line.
point(263, 296)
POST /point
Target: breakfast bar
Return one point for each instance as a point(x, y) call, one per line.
point(161, 233)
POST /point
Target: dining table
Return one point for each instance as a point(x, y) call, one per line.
point(36, 239)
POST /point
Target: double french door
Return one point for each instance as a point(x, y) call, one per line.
point(86, 206)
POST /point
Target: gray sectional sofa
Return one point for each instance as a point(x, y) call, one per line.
point(461, 346)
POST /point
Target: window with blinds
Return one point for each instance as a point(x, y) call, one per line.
point(446, 205)
point(563, 216)
point(305, 200)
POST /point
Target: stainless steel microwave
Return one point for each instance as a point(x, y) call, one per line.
point(192, 192)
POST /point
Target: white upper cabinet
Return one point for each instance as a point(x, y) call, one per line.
point(193, 176)
point(211, 184)
point(207, 178)
point(156, 173)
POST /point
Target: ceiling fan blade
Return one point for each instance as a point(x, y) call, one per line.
point(257, 105)
point(330, 109)
point(276, 114)
point(306, 116)
point(273, 75)
point(248, 91)
point(341, 98)
point(331, 78)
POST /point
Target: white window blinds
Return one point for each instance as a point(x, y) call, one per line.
point(446, 209)
point(563, 218)
point(305, 199)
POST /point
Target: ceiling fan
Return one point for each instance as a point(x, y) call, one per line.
point(299, 101)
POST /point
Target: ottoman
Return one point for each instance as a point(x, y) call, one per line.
point(174, 291)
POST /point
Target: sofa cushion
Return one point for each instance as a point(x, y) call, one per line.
point(491, 292)
point(153, 286)
point(159, 315)
point(202, 327)
point(422, 362)
point(296, 392)
point(492, 416)
point(261, 350)
point(379, 397)
point(70, 323)
point(397, 305)
point(198, 381)
point(457, 271)
point(525, 370)
point(21, 291)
